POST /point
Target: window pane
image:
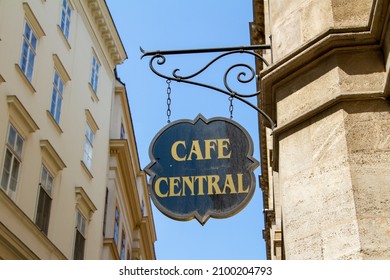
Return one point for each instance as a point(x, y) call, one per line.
point(23, 59)
point(116, 226)
point(63, 21)
point(87, 154)
point(14, 174)
point(67, 28)
point(27, 31)
point(11, 136)
point(123, 246)
point(53, 102)
point(65, 18)
point(43, 176)
point(49, 185)
point(79, 246)
point(30, 66)
point(33, 41)
point(56, 78)
point(6, 169)
point(43, 211)
point(81, 223)
point(28, 52)
point(46, 180)
point(61, 86)
point(58, 111)
point(19, 145)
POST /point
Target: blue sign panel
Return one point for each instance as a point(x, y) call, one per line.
point(201, 169)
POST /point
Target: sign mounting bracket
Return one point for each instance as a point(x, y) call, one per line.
point(160, 58)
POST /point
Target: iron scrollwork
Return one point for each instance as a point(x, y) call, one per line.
point(159, 58)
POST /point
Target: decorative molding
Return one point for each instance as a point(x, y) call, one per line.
point(110, 243)
point(107, 30)
point(20, 117)
point(25, 79)
point(84, 203)
point(54, 122)
point(91, 121)
point(13, 217)
point(50, 157)
point(31, 18)
point(66, 42)
point(94, 96)
point(87, 171)
point(61, 69)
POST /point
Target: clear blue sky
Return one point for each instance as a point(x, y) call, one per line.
point(181, 24)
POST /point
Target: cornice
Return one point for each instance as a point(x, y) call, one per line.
point(104, 27)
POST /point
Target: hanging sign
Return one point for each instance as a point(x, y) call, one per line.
point(201, 169)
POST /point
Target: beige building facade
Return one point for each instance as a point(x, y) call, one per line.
point(325, 167)
point(71, 184)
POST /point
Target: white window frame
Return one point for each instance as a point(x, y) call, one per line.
point(66, 13)
point(122, 253)
point(15, 150)
point(88, 146)
point(95, 67)
point(28, 53)
point(45, 187)
point(116, 225)
point(123, 132)
point(81, 230)
point(57, 97)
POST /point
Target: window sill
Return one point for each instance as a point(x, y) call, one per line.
point(62, 35)
point(53, 121)
point(87, 171)
point(94, 96)
point(26, 81)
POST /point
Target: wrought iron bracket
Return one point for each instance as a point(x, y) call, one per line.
point(159, 58)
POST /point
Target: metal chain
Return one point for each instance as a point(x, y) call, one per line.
point(231, 105)
point(169, 101)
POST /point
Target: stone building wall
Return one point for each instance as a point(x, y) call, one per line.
point(325, 166)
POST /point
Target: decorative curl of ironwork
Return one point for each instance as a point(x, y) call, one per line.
point(159, 58)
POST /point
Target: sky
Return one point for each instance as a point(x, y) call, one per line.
point(183, 24)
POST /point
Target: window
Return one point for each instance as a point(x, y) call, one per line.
point(123, 133)
point(79, 245)
point(105, 213)
point(12, 161)
point(123, 246)
point(116, 226)
point(65, 18)
point(88, 146)
point(44, 200)
point(28, 51)
point(94, 74)
point(56, 99)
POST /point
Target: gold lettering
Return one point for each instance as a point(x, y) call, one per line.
point(195, 185)
point(157, 187)
point(195, 149)
point(189, 181)
point(174, 183)
point(212, 183)
point(200, 184)
point(229, 183)
point(210, 144)
point(224, 144)
point(240, 184)
point(174, 151)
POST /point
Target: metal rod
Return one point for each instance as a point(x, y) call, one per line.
point(208, 50)
point(159, 58)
